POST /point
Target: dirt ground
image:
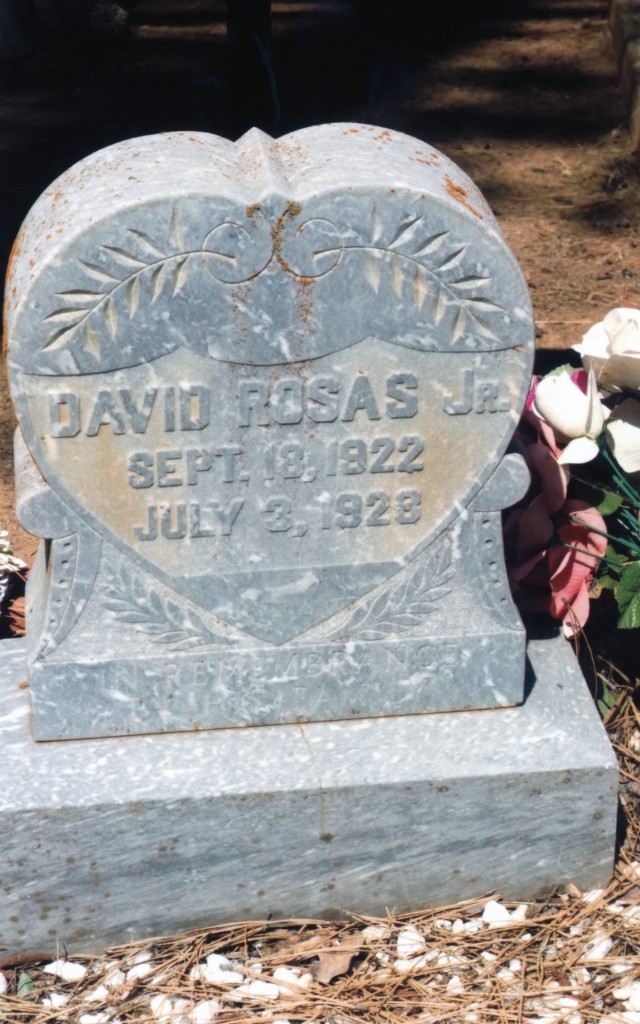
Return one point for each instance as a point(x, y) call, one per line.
point(523, 95)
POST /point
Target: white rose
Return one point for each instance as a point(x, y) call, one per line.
point(611, 349)
point(623, 435)
point(573, 416)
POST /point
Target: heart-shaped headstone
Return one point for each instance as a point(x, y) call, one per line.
point(269, 386)
point(269, 373)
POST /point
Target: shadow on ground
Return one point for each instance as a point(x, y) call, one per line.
point(401, 65)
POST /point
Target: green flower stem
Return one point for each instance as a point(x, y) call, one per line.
point(591, 554)
point(621, 481)
point(603, 533)
point(630, 519)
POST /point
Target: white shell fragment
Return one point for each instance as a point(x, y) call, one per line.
point(520, 913)
point(140, 970)
point(115, 980)
point(599, 947)
point(461, 927)
point(55, 1000)
point(592, 895)
point(290, 981)
point(630, 995)
point(256, 989)
point(161, 1007)
point(374, 933)
point(455, 986)
point(632, 870)
point(218, 970)
point(205, 1011)
point(98, 995)
point(141, 958)
point(410, 942)
point(495, 914)
point(630, 1016)
point(415, 963)
point(65, 970)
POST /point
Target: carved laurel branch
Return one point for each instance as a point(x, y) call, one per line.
point(114, 286)
point(163, 620)
point(419, 260)
point(144, 265)
point(400, 608)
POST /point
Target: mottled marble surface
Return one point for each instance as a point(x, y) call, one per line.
point(110, 839)
point(265, 390)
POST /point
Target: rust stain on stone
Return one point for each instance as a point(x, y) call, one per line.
point(306, 287)
point(459, 193)
point(240, 295)
point(292, 210)
point(13, 255)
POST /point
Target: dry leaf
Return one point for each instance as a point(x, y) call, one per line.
point(337, 961)
point(304, 948)
point(631, 897)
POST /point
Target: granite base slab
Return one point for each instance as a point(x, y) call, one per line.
point(102, 841)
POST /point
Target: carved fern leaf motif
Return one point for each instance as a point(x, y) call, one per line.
point(114, 288)
point(421, 266)
point(163, 619)
point(400, 608)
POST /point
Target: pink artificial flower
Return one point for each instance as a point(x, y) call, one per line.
point(544, 431)
point(572, 567)
point(547, 576)
point(531, 396)
point(530, 527)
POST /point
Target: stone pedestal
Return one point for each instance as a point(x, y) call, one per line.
point(105, 840)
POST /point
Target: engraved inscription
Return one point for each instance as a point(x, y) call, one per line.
point(175, 522)
point(213, 465)
point(183, 408)
point(324, 400)
point(476, 395)
point(242, 670)
point(287, 402)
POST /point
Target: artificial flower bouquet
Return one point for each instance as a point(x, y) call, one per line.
point(577, 530)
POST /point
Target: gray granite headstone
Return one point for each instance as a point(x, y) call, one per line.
point(265, 391)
